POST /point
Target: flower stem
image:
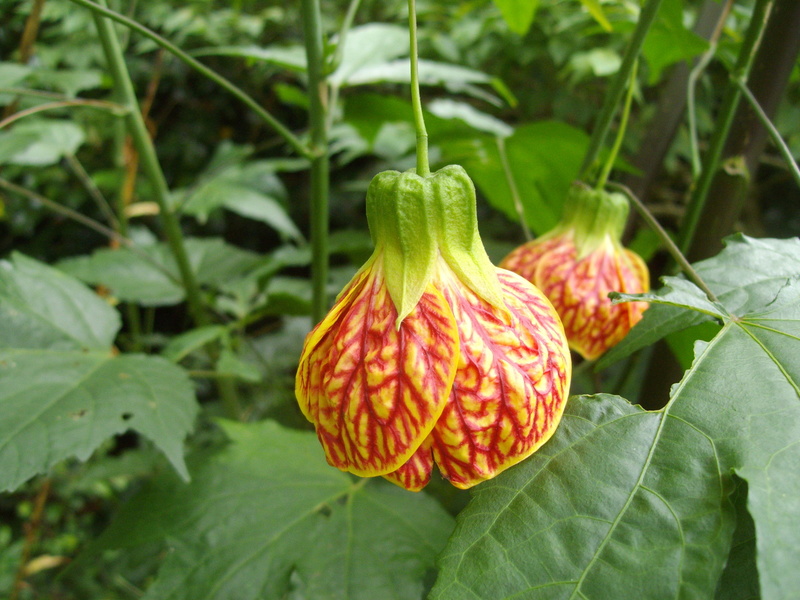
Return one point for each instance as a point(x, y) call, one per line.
point(771, 129)
point(724, 121)
point(617, 89)
point(265, 116)
point(623, 124)
point(423, 168)
point(671, 247)
point(320, 164)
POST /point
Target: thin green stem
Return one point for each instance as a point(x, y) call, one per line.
point(99, 104)
point(623, 125)
point(320, 164)
point(512, 185)
point(347, 24)
point(92, 189)
point(727, 112)
point(149, 161)
point(617, 89)
point(265, 116)
point(783, 148)
point(671, 247)
point(423, 167)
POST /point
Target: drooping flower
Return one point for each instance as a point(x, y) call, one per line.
point(432, 354)
point(579, 262)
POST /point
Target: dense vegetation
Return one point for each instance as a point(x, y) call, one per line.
point(167, 180)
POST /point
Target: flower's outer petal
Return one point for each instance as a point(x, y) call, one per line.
point(415, 473)
point(511, 385)
point(374, 392)
point(578, 288)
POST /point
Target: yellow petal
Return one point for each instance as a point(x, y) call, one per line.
point(374, 392)
point(511, 386)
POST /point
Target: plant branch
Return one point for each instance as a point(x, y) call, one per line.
point(691, 85)
point(32, 528)
point(149, 160)
point(231, 88)
point(783, 148)
point(320, 163)
point(671, 247)
point(618, 85)
point(88, 222)
point(101, 104)
point(724, 121)
point(423, 168)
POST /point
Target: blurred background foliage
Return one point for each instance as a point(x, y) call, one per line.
point(512, 96)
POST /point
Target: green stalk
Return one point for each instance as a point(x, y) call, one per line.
point(320, 164)
point(234, 90)
point(149, 161)
point(623, 125)
point(783, 148)
point(152, 170)
point(617, 89)
point(423, 168)
point(726, 114)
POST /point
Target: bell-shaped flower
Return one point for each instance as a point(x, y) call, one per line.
point(432, 354)
point(579, 262)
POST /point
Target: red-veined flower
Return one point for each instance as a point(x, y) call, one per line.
point(579, 262)
point(432, 354)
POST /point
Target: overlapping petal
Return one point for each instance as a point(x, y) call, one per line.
point(373, 391)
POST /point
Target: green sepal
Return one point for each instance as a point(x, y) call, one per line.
point(595, 216)
point(456, 219)
point(398, 213)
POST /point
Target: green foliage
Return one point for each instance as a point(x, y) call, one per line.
point(665, 477)
point(266, 517)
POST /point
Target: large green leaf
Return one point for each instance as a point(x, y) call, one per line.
point(266, 517)
point(63, 391)
point(668, 41)
point(625, 503)
point(150, 275)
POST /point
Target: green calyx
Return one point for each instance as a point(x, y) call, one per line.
point(414, 220)
point(594, 216)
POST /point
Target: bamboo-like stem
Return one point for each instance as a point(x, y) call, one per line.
point(623, 125)
point(783, 148)
point(724, 121)
point(150, 165)
point(234, 90)
point(671, 247)
point(320, 164)
point(617, 89)
point(423, 168)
